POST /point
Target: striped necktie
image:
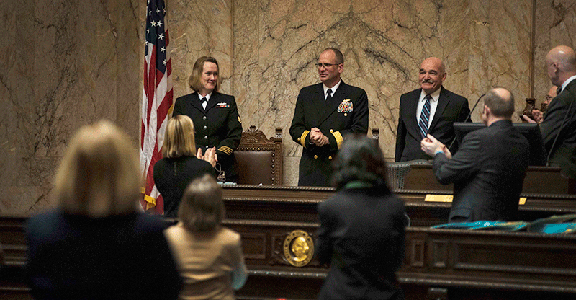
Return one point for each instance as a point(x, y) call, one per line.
point(424, 117)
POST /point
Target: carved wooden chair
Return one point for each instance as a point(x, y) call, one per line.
point(258, 159)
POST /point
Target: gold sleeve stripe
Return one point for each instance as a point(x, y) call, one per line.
point(226, 150)
point(338, 137)
point(302, 139)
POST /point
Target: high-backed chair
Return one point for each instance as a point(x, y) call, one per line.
point(258, 159)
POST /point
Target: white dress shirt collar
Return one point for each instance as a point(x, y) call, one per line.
point(207, 96)
point(334, 88)
point(567, 82)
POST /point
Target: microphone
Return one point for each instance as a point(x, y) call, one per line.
point(470, 114)
point(466, 120)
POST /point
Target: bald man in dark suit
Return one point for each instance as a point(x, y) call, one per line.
point(444, 109)
point(489, 168)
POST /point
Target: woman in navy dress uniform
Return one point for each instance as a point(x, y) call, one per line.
point(215, 116)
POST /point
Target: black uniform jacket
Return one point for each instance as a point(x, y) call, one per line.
point(347, 112)
point(216, 126)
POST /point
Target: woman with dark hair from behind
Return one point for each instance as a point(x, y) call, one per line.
point(362, 227)
point(209, 256)
point(181, 163)
point(95, 245)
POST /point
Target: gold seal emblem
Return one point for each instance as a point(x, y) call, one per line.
point(298, 248)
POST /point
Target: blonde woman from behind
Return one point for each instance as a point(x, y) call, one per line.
point(94, 244)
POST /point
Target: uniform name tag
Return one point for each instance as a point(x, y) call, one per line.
point(222, 104)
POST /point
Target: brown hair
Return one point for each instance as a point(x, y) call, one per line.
point(179, 137)
point(99, 174)
point(194, 80)
point(360, 159)
point(201, 208)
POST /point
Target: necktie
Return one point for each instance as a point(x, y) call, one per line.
point(204, 102)
point(329, 94)
point(424, 117)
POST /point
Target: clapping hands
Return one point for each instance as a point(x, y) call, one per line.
point(210, 156)
point(431, 146)
point(537, 115)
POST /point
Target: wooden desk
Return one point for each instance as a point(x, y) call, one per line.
point(439, 264)
point(446, 264)
point(539, 180)
point(298, 204)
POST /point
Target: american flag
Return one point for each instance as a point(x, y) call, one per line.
point(157, 102)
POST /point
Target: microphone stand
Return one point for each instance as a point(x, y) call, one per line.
point(476, 104)
point(467, 118)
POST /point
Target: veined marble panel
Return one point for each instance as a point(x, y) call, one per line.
point(63, 70)
point(197, 28)
point(555, 25)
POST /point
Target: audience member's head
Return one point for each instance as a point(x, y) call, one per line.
point(199, 81)
point(179, 137)
point(560, 64)
point(201, 208)
point(431, 75)
point(360, 159)
point(99, 174)
point(498, 105)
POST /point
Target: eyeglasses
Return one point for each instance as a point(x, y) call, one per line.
point(325, 65)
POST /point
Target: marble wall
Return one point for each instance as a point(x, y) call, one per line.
point(555, 24)
point(65, 63)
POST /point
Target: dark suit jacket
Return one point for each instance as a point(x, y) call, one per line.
point(561, 113)
point(488, 173)
point(118, 257)
point(346, 113)
point(451, 108)
point(361, 235)
point(218, 126)
point(173, 175)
